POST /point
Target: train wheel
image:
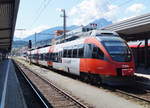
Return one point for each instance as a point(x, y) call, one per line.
point(96, 79)
point(84, 77)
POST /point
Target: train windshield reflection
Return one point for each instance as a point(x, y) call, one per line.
point(118, 50)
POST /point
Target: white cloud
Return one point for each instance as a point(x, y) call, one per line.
point(26, 33)
point(89, 10)
point(137, 7)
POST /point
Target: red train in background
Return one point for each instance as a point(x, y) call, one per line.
point(138, 49)
point(96, 55)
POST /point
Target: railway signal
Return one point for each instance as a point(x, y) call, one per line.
point(30, 44)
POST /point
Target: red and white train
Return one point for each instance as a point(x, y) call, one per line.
point(98, 54)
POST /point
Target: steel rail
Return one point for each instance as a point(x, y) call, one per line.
point(132, 95)
point(84, 106)
point(42, 100)
point(60, 90)
point(68, 96)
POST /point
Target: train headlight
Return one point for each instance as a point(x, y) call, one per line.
point(127, 71)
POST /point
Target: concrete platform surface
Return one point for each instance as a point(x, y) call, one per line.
point(10, 92)
point(143, 75)
point(96, 97)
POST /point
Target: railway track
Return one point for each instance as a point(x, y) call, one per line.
point(140, 91)
point(143, 97)
point(55, 96)
point(33, 97)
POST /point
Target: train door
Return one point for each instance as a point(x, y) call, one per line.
point(71, 61)
point(77, 54)
point(84, 60)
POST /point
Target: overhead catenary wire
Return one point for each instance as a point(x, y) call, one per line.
point(41, 10)
point(120, 5)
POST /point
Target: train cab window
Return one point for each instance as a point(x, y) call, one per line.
point(118, 50)
point(97, 53)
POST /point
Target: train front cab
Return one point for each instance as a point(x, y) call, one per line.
point(98, 61)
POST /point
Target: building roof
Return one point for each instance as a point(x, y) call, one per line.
point(8, 15)
point(135, 28)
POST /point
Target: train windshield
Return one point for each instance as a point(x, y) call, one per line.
point(118, 50)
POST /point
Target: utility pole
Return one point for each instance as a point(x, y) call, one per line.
point(64, 22)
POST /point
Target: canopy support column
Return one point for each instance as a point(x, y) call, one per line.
point(146, 53)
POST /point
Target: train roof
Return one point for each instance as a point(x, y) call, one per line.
point(103, 33)
point(77, 35)
point(108, 38)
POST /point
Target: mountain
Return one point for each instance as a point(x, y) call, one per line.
point(16, 39)
point(19, 43)
point(39, 37)
point(102, 22)
point(45, 36)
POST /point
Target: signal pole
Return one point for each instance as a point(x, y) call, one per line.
point(64, 22)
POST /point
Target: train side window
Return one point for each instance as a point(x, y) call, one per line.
point(69, 53)
point(97, 53)
point(47, 56)
point(56, 57)
point(65, 53)
point(89, 50)
point(40, 56)
point(50, 56)
point(59, 56)
point(44, 56)
point(81, 51)
point(75, 53)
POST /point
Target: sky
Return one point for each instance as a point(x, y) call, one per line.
point(38, 15)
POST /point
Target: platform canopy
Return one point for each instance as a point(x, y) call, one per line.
point(136, 28)
point(8, 15)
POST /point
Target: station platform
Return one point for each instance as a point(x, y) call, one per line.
point(11, 95)
point(142, 72)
